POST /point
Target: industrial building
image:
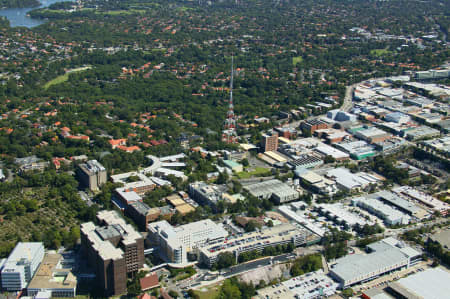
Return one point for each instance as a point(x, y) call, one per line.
point(349, 181)
point(308, 286)
point(421, 132)
point(275, 189)
point(317, 182)
point(21, 265)
point(430, 283)
point(385, 256)
point(53, 277)
point(305, 161)
point(397, 117)
point(174, 243)
point(389, 214)
point(423, 198)
point(358, 150)
point(372, 135)
point(294, 213)
point(277, 235)
point(339, 214)
point(403, 205)
point(113, 249)
point(92, 174)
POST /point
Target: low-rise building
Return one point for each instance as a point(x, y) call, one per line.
point(275, 189)
point(389, 214)
point(305, 161)
point(53, 277)
point(348, 181)
point(317, 183)
point(234, 166)
point(372, 135)
point(358, 150)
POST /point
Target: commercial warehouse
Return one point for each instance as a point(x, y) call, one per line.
point(386, 256)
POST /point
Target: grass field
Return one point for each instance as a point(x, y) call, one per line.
point(65, 77)
point(210, 293)
point(120, 12)
point(259, 171)
point(379, 52)
point(296, 60)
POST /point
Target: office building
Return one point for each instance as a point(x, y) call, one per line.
point(21, 265)
point(269, 142)
point(205, 194)
point(141, 214)
point(273, 236)
point(134, 181)
point(92, 174)
point(313, 125)
point(114, 249)
point(174, 243)
point(275, 189)
point(385, 256)
point(53, 277)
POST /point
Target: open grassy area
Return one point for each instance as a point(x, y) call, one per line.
point(65, 77)
point(296, 60)
point(258, 171)
point(121, 12)
point(209, 292)
point(379, 52)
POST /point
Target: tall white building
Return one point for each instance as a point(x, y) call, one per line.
point(175, 242)
point(21, 265)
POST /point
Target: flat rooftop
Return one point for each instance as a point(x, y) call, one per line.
point(51, 275)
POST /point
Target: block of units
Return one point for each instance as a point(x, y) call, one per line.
point(114, 249)
point(92, 174)
point(269, 142)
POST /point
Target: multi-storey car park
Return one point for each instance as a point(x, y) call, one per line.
point(277, 235)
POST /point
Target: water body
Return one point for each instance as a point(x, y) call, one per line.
point(18, 16)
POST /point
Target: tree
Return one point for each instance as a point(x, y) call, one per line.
point(225, 260)
point(348, 292)
point(222, 178)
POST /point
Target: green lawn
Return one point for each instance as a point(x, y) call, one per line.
point(259, 171)
point(379, 52)
point(210, 293)
point(65, 77)
point(296, 60)
point(121, 12)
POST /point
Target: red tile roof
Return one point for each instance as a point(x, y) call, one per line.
point(149, 282)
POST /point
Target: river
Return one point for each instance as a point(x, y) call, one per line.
point(18, 16)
